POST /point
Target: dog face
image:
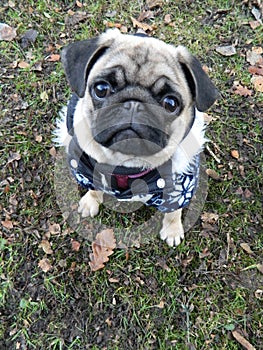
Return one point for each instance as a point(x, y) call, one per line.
point(136, 97)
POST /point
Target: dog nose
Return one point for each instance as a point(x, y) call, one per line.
point(134, 106)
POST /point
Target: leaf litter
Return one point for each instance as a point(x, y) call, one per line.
point(102, 248)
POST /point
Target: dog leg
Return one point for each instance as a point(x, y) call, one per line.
point(90, 202)
point(172, 230)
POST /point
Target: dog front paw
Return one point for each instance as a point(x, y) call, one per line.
point(172, 230)
point(173, 235)
point(89, 204)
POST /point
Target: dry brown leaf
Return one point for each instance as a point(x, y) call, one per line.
point(54, 58)
point(167, 19)
point(260, 268)
point(161, 304)
point(234, 153)
point(258, 70)
point(210, 218)
point(258, 83)
point(7, 33)
point(246, 248)
point(150, 4)
point(7, 224)
point(213, 174)
point(253, 57)
point(45, 265)
point(228, 50)
point(247, 193)
point(246, 344)
point(54, 229)
point(143, 26)
point(45, 245)
point(257, 49)
point(238, 89)
point(102, 248)
point(75, 245)
point(75, 17)
point(254, 24)
point(23, 65)
point(39, 138)
point(145, 15)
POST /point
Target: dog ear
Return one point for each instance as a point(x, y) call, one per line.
point(202, 88)
point(78, 59)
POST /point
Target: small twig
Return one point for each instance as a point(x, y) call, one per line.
point(213, 154)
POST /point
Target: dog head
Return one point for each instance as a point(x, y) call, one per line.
point(136, 97)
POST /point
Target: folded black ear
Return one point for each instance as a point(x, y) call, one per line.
point(78, 59)
point(202, 88)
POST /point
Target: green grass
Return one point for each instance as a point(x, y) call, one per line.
point(150, 296)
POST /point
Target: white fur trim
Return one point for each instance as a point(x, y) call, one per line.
point(61, 135)
point(191, 145)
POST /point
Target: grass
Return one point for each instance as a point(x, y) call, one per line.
point(149, 296)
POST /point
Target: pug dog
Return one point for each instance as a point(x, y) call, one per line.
point(134, 125)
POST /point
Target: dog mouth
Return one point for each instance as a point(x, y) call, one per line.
point(133, 139)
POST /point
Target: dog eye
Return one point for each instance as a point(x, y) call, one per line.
point(170, 104)
point(102, 89)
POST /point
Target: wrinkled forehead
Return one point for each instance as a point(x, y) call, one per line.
point(137, 61)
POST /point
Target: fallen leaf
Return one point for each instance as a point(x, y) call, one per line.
point(74, 18)
point(7, 33)
point(228, 50)
point(210, 218)
point(160, 305)
point(234, 153)
point(14, 156)
point(37, 67)
point(7, 224)
point(257, 49)
point(254, 24)
point(256, 70)
point(167, 19)
point(75, 245)
point(44, 96)
point(79, 4)
point(145, 15)
point(246, 248)
point(38, 138)
point(150, 4)
point(45, 245)
point(102, 248)
point(204, 253)
point(113, 25)
point(23, 65)
point(247, 193)
point(143, 26)
point(53, 152)
point(260, 268)
point(253, 58)
point(54, 229)
point(45, 265)
point(213, 174)
point(258, 83)
point(54, 58)
point(238, 89)
point(241, 340)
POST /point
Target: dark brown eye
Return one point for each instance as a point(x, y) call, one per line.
point(170, 104)
point(102, 90)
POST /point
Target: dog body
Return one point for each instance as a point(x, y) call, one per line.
point(133, 127)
